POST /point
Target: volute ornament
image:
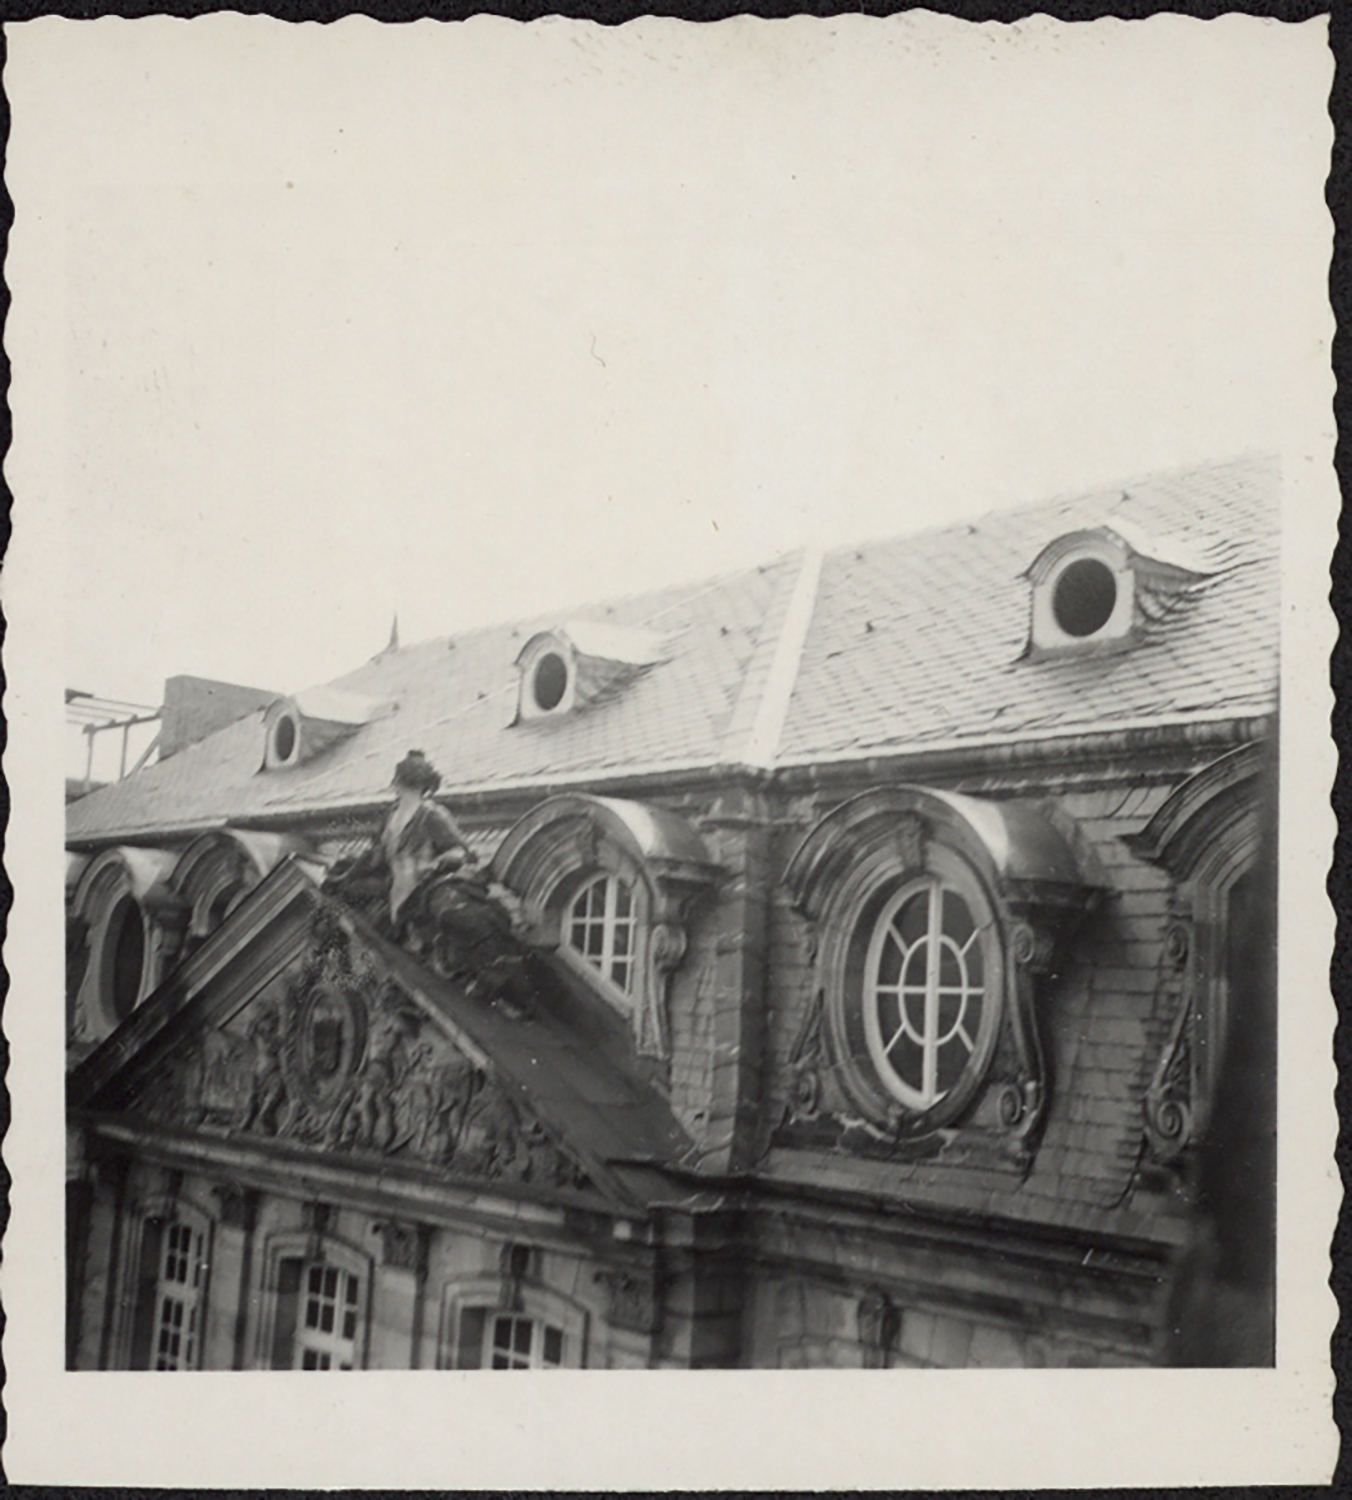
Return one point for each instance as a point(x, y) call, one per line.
point(1169, 1103)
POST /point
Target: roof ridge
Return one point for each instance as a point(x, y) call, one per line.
point(773, 692)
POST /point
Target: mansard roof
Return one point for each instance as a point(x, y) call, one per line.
point(921, 641)
point(912, 644)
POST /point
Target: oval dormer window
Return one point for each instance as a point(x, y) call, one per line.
point(1084, 587)
point(283, 740)
point(1084, 597)
point(549, 681)
point(124, 952)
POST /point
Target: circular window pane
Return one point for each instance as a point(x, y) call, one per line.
point(1085, 596)
point(924, 993)
point(284, 738)
point(550, 681)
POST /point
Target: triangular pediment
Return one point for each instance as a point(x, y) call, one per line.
point(295, 1028)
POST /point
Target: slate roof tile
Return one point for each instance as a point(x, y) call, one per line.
point(912, 642)
point(456, 700)
point(951, 610)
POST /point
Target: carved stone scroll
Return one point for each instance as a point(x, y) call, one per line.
point(1169, 1095)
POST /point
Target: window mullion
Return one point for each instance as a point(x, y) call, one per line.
point(608, 926)
point(930, 1050)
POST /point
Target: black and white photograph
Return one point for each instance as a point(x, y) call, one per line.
point(669, 711)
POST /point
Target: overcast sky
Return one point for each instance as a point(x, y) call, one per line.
point(468, 321)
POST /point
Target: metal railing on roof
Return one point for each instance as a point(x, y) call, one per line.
point(95, 715)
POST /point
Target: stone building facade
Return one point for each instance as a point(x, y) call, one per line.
point(838, 967)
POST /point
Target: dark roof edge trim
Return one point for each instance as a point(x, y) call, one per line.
point(954, 757)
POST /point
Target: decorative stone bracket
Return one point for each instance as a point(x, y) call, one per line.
point(1206, 836)
point(631, 1301)
point(1170, 1096)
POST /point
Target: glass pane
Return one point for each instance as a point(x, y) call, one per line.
point(623, 900)
point(309, 1360)
point(326, 1318)
point(595, 941)
point(522, 1341)
point(913, 1006)
point(469, 1353)
point(553, 1346)
point(950, 967)
point(912, 921)
point(889, 961)
point(889, 1016)
point(311, 1314)
point(950, 1013)
point(350, 1325)
point(917, 963)
point(351, 1290)
point(621, 944)
point(502, 1333)
point(952, 1060)
point(958, 922)
point(908, 1061)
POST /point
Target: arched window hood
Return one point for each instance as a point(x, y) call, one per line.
point(562, 832)
point(660, 859)
point(1027, 861)
point(217, 870)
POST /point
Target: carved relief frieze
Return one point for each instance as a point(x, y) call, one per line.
point(344, 1062)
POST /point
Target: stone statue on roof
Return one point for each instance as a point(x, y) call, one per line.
point(421, 883)
point(420, 838)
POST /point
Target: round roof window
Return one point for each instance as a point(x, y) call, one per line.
point(284, 739)
point(549, 681)
point(1084, 597)
point(125, 961)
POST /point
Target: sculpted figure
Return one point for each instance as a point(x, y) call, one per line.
point(418, 841)
point(267, 1090)
point(420, 838)
point(368, 1120)
point(423, 885)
